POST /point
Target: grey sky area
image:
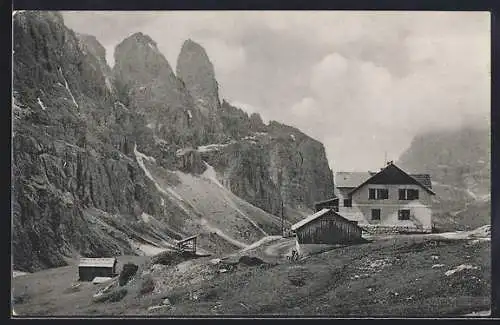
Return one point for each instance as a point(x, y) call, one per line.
point(363, 83)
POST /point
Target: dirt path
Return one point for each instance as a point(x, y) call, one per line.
point(280, 248)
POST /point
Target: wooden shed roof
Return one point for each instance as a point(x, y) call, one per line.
point(313, 217)
point(97, 262)
point(187, 239)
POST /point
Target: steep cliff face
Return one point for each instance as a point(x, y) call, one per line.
point(148, 85)
point(249, 169)
point(197, 72)
point(268, 168)
point(90, 46)
point(106, 160)
point(61, 162)
point(78, 186)
point(459, 163)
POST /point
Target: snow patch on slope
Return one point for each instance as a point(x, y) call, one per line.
point(169, 192)
point(143, 156)
point(211, 147)
point(146, 217)
point(41, 104)
point(109, 84)
point(67, 88)
point(460, 268)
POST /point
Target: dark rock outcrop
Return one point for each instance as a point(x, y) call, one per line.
point(72, 150)
point(268, 168)
point(148, 85)
point(197, 72)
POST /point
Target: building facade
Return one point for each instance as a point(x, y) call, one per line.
point(386, 201)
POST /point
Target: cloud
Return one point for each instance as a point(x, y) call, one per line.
point(361, 82)
point(225, 58)
point(306, 107)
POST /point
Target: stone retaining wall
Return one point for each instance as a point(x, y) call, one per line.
point(380, 229)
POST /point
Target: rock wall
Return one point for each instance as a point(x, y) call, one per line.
point(268, 168)
point(77, 186)
point(72, 141)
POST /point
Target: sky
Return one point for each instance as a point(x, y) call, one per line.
point(364, 83)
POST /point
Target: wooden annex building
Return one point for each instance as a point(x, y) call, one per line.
point(89, 268)
point(326, 227)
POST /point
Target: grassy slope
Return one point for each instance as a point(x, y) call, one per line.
point(392, 277)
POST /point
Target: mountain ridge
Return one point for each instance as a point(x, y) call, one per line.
point(460, 166)
point(95, 157)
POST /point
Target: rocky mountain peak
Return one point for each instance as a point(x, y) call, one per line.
point(90, 43)
point(196, 70)
point(138, 60)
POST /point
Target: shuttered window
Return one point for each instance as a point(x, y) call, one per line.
point(402, 194)
point(378, 194)
point(382, 194)
point(408, 194)
point(375, 214)
point(404, 214)
point(412, 194)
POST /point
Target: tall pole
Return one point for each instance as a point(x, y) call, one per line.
point(280, 179)
point(282, 220)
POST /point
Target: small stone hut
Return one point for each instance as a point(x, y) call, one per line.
point(89, 268)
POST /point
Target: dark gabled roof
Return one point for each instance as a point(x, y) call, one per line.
point(354, 179)
point(424, 179)
point(421, 178)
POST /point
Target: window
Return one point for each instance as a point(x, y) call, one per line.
point(404, 215)
point(375, 214)
point(412, 194)
point(348, 203)
point(408, 194)
point(382, 194)
point(378, 194)
point(402, 194)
